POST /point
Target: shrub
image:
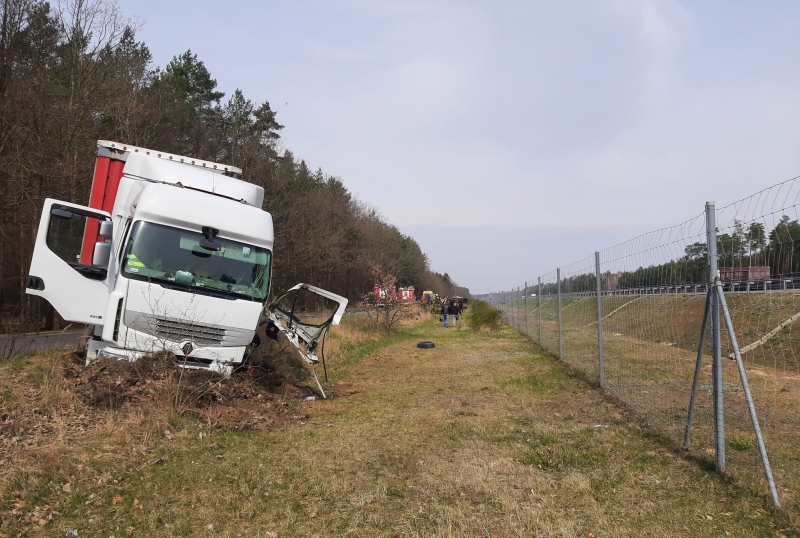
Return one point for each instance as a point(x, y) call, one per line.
point(389, 312)
point(480, 315)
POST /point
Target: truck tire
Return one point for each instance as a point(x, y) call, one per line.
point(426, 345)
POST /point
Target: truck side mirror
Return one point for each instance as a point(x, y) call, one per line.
point(101, 255)
point(106, 229)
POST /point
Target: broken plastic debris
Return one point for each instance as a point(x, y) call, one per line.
point(311, 398)
point(71, 533)
point(600, 426)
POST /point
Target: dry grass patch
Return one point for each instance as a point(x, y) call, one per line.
point(66, 428)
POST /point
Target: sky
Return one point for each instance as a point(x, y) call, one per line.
point(513, 137)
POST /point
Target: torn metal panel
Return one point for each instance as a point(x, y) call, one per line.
point(304, 314)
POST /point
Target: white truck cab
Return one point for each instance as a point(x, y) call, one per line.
point(173, 254)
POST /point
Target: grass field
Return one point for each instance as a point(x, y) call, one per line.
point(650, 344)
point(483, 435)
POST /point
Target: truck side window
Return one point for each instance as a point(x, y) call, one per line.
point(72, 236)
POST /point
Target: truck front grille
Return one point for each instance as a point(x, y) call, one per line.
point(177, 331)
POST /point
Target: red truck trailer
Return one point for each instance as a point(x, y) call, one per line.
point(734, 274)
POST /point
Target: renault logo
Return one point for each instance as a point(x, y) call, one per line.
point(187, 349)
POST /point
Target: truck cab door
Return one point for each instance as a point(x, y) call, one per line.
point(304, 314)
point(69, 267)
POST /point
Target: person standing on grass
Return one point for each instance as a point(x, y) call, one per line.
point(446, 312)
point(454, 311)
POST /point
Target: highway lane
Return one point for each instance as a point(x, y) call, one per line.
point(31, 343)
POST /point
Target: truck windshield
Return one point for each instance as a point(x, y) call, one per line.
point(167, 254)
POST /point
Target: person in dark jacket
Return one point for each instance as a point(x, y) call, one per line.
point(454, 310)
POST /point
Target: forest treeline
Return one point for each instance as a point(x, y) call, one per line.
point(745, 246)
point(74, 72)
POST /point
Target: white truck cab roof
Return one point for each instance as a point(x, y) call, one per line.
point(157, 170)
point(186, 208)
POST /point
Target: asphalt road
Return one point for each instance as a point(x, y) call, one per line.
point(27, 343)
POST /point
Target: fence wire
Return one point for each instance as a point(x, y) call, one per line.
point(652, 296)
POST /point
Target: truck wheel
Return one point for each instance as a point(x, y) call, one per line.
point(426, 345)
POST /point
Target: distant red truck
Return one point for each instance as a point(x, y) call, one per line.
point(732, 274)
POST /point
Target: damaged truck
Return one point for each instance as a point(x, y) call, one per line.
point(172, 253)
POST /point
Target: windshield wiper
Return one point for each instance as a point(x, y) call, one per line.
point(169, 284)
point(230, 294)
point(234, 294)
point(201, 290)
point(241, 295)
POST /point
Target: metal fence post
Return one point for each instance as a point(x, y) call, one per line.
point(600, 364)
point(527, 330)
point(560, 334)
point(512, 309)
point(515, 307)
point(716, 340)
point(539, 296)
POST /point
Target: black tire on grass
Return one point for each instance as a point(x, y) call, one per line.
point(426, 345)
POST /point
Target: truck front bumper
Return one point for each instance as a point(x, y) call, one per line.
point(214, 358)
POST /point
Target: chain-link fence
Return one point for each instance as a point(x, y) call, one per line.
point(630, 318)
